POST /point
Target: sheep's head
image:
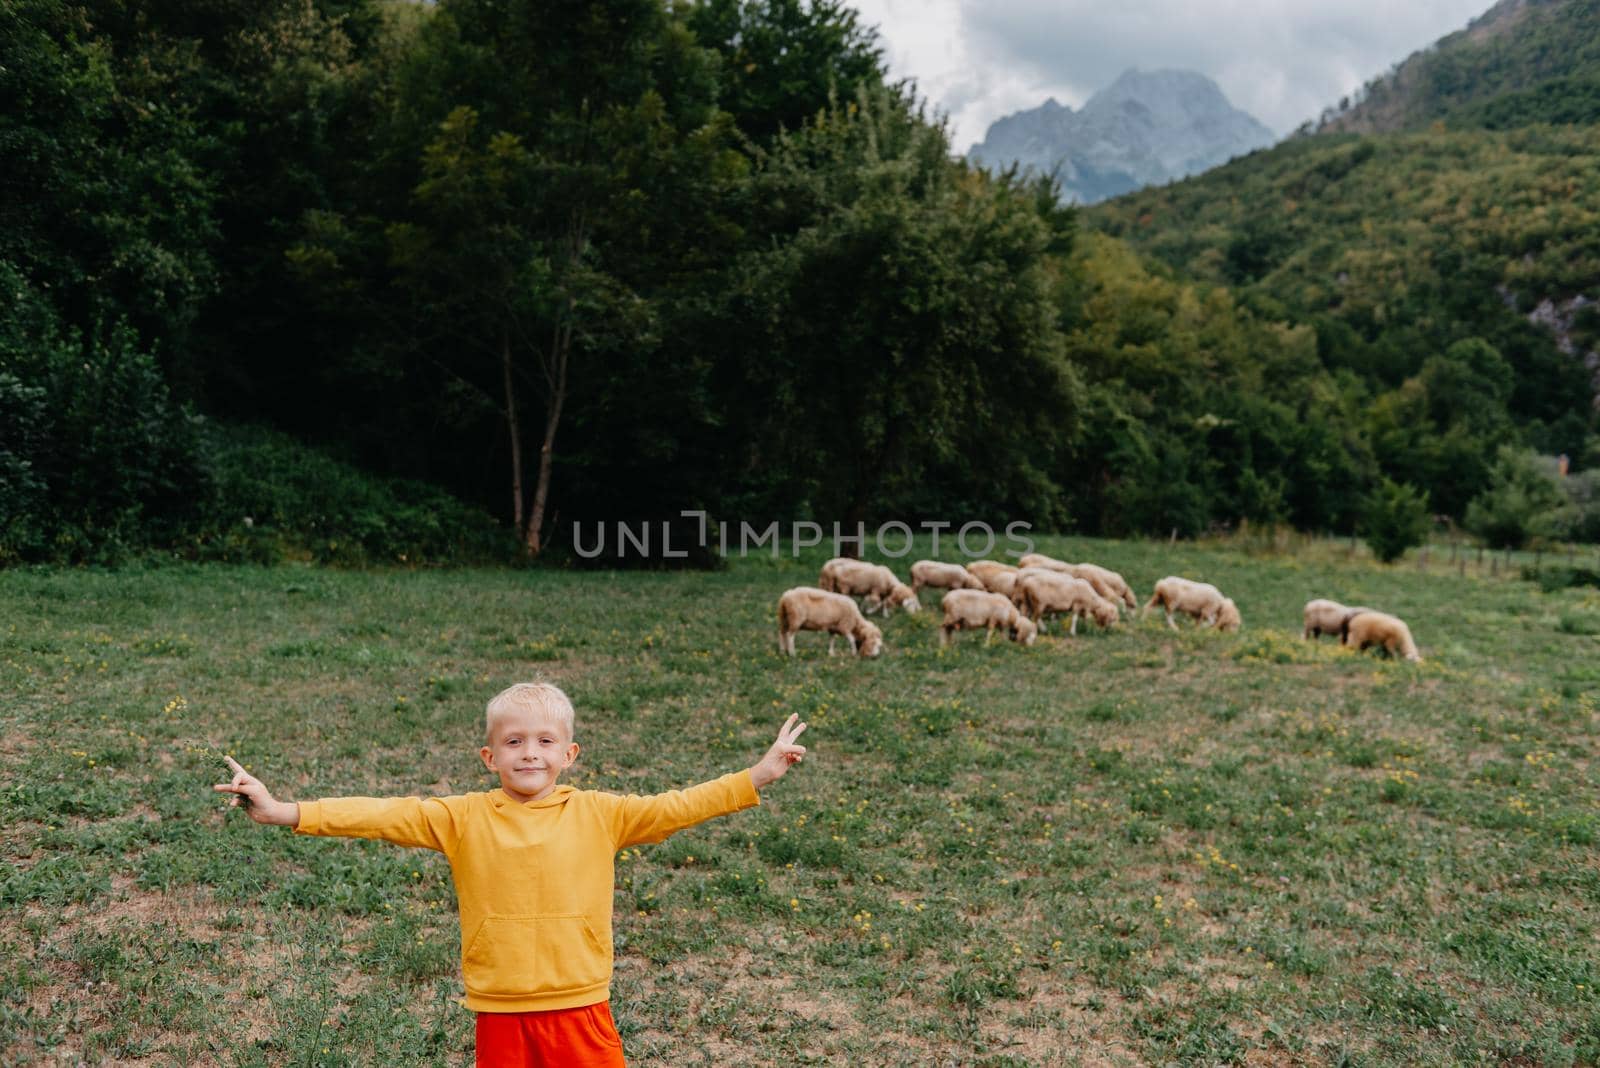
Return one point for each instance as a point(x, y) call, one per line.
point(1105, 613)
point(901, 595)
point(869, 639)
point(1025, 631)
point(1228, 619)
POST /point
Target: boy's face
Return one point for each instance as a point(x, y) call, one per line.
point(528, 749)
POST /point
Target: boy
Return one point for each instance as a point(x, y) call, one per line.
point(532, 865)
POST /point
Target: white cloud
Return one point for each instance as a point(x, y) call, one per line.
point(1282, 61)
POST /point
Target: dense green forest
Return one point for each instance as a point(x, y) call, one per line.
point(1519, 63)
point(375, 280)
point(1443, 274)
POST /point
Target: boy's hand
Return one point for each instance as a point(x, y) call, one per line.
point(258, 801)
point(783, 753)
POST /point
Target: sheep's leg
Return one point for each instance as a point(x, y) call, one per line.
point(851, 638)
point(1074, 629)
point(1170, 623)
point(831, 637)
point(988, 635)
point(782, 644)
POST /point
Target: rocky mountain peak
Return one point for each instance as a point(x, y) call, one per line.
point(1146, 127)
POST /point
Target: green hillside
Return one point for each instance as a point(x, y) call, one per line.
point(1521, 62)
point(1396, 248)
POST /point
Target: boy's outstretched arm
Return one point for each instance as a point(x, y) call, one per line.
point(784, 752)
point(259, 802)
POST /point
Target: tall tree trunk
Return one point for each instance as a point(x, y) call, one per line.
point(514, 431)
point(562, 346)
point(555, 373)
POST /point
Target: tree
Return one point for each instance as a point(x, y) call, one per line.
point(580, 147)
point(901, 324)
point(1517, 505)
point(782, 60)
point(105, 197)
point(1395, 519)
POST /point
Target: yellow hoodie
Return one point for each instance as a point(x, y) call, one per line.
point(535, 880)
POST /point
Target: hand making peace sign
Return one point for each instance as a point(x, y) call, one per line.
point(784, 752)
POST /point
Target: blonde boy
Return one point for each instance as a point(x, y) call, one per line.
point(532, 865)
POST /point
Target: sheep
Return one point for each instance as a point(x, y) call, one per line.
point(1041, 560)
point(856, 578)
point(1044, 591)
point(977, 608)
point(942, 576)
point(984, 568)
point(1002, 582)
point(1366, 628)
point(1016, 592)
point(1106, 583)
point(995, 576)
point(808, 608)
point(1327, 617)
point(1201, 600)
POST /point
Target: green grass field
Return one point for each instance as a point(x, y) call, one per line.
point(1130, 847)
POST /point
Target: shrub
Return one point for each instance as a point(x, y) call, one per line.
point(1394, 519)
point(96, 458)
point(275, 497)
point(1520, 502)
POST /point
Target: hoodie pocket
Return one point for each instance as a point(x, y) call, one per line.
point(519, 955)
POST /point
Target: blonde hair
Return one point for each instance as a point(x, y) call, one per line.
point(531, 696)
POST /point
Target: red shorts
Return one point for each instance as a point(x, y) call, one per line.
point(584, 1037)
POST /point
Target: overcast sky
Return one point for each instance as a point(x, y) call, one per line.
point(1282, 61)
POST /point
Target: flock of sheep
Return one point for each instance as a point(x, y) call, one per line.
point(993, 596)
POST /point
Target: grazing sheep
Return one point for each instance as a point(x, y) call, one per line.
point(1106, 583)
point(984, 568)
point(857, 578)
point(808, 608)
point(977, 608)
point(942, 576)
point(1044, 591)
point(995, 576)
point(1201, 600)
point(1016, 594)
point(1002, 582)
point(1367, 628)
point(1327, 617)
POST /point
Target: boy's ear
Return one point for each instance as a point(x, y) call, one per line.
point(487, 755)
point(572, 753)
